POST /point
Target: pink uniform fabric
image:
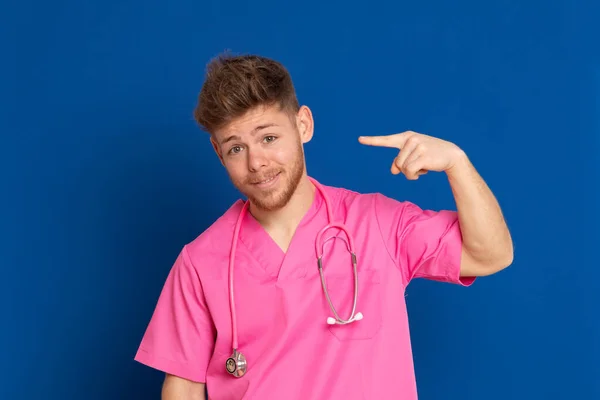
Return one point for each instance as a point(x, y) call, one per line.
point(292, 352)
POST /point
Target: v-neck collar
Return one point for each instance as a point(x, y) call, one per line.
point(270, 257)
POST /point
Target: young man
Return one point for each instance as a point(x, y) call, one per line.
point(248, 311)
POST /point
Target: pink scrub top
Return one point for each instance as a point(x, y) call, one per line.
point(282, 312)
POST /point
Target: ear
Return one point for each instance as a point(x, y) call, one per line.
point(216, 148)
point(305, 124)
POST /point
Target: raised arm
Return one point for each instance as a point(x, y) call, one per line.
point(486, 241)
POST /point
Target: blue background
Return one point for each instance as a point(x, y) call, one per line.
point(105, 175)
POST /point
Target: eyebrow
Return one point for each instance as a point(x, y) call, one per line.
point(253, 132)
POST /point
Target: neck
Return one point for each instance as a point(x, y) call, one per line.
point(286, 219)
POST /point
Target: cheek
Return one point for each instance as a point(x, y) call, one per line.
point(235, 169)
point(284, 156)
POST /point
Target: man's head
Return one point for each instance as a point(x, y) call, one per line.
point(248, 105)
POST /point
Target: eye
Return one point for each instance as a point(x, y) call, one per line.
point(269, 139)
point(235, 150)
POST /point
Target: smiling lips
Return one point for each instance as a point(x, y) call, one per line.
point(266, 181)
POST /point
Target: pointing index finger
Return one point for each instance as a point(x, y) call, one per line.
point(395, 141)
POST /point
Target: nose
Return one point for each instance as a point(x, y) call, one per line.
point(256, 160)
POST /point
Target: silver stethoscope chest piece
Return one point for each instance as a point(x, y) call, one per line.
point(236, 364)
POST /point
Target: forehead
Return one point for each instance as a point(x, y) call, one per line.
point(253, 121)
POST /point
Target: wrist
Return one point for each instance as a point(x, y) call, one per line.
point(460, 163)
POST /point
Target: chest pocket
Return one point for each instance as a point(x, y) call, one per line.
point(341, 292)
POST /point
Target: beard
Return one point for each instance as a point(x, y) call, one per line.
point(276, 198)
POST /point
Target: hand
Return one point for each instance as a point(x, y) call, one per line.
point(418, 153)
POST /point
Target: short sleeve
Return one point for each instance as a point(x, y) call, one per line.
point(180, 336)
point(423, 243)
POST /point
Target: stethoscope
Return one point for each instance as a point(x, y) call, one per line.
point(237, 365)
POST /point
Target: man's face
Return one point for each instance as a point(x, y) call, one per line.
point(263, 154)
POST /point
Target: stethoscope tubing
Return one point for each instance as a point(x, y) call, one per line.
point(319, 245)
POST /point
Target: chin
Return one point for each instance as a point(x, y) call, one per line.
point(268, 206)
point(272, 201)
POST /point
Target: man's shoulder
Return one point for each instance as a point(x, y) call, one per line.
point(214, 240)
point(345, 197)
point(367, 203)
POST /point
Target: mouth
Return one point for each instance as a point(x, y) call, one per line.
point(267, 182)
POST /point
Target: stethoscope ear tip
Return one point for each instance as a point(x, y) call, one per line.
point(357, 317)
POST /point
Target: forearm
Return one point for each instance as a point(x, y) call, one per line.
point(484, 231)
point(175, 388)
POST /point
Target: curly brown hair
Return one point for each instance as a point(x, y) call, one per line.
point(234, 85)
